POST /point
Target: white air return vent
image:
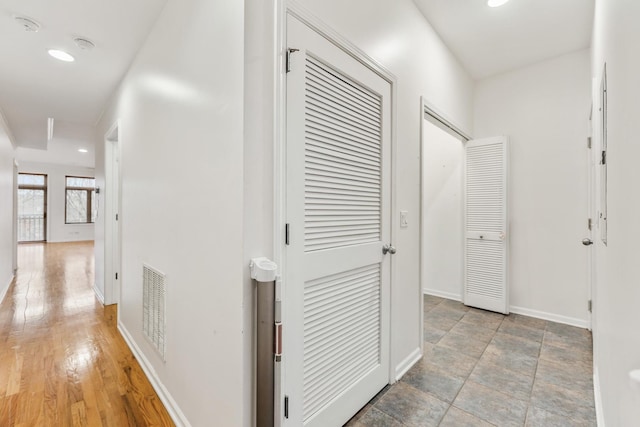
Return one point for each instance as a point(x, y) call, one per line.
point(153, 320)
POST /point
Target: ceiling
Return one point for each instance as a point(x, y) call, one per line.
point(489, 41)
point(35, 86)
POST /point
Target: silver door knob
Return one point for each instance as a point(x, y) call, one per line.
point(388, 248)
point(587, 242)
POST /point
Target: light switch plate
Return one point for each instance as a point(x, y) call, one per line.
point(404, 222)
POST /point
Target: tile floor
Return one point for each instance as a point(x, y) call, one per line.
point(485, 369)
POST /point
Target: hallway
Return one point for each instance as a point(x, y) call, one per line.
point(62, 360)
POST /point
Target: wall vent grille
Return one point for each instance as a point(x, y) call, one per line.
point(153, 320)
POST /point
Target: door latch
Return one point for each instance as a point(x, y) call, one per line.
point(388, 249)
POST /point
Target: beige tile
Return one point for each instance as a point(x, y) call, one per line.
point(491, 406)
point(458, 418)
point(411, 406)
point(431, 379)
point(537, 417)
point(464, 344)
point(496, 377)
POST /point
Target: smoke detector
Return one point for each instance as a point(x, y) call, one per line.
point(84, 44)
point(27, 24)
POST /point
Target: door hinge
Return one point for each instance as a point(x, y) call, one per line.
point(288, 59)
point(590, 306)
point(116, 217)
point(588, 142)
point(116, 276)
point(277, 345)
point(590, 224)
point(604, 157)
point(286, 234)
point(286, 406)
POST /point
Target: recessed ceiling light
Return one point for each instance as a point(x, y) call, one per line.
point(496, 3)
point(27, 24)
point(61, 55)
point(83, 150)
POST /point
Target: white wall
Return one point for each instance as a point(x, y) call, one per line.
point(442, 249)
point(57, 230)
point(616, 315)
point(6, 211)
point(181, 134)
point(397, 36)
point(544, 109)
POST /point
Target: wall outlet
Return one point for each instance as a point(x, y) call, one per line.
point(404, 222)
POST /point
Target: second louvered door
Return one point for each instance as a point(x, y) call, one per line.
point(337, 280)
point(486, 224)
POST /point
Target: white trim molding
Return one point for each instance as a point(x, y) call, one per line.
point(99, 294)
point(169, 403)
point(441, 294)
point(3, 292)
point(572, 321)
point(404, 366)
point(597, 396)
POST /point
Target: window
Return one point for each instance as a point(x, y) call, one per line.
point(32, 207)
point(81, 198)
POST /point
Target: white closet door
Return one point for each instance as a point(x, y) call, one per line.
point(337, 280)
point(486, 224)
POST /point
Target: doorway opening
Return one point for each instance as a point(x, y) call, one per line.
point(32, 208)
point(442, 252)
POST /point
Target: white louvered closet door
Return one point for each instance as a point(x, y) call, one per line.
point(337, 281)
point(486, 224)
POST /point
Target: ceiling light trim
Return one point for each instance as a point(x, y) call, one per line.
point(496, 3)
point(50, 129)
point(61, 55)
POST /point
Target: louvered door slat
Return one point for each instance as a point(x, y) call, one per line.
point(486, 224)
point(359, 165)
point(341, 322)
point(336, 81)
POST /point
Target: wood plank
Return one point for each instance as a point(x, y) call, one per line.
point(62, 359)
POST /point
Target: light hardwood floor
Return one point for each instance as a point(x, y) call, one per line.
point(62, 359)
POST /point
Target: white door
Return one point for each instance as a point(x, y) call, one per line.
point(337, 280)
point(486, 224)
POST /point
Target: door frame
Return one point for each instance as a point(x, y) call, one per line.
point(284, 8)
point(112, 229)
point(15, 217)
point(451, 127)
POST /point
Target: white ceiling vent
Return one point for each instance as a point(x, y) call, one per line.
point(84, 43)
point(153, 320)
point(28, 24)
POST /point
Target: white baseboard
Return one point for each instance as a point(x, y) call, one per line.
point(3, 292)
point(171, 406)
point(99, 294)
point(597, 395)
point(407, 363)
point(580, 323)
point(441, 294)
